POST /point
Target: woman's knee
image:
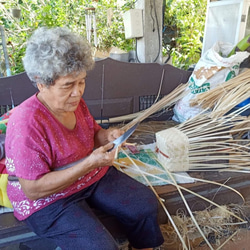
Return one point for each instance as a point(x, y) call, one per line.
point(148, 202)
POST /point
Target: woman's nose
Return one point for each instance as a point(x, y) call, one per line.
point(78, 89)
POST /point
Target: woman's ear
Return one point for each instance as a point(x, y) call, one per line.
point(40, 86)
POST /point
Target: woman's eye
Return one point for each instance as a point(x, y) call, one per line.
point(67, 86)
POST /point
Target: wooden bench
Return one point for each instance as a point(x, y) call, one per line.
point(113, 88)
point(116, 88)
point(14, 232)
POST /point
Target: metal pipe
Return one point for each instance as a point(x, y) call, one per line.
point(6, 58)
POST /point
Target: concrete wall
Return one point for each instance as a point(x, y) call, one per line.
point(149, 46)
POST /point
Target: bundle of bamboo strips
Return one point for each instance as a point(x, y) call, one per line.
point(226, 95)
point(210, 137)
point(165, 102)
point(211, 143)
point(211, 140)
point(220, 99)
point(214, 143)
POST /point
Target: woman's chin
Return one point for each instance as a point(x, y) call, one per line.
point(73, 106)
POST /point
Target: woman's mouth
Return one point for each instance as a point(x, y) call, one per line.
point(74, 103)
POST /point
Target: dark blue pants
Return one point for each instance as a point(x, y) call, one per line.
point(71, 223)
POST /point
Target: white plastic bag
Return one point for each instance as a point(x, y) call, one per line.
point(214, 67)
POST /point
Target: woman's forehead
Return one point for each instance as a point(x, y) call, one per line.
point(72, 77)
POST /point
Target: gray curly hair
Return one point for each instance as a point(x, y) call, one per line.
point(55, 52)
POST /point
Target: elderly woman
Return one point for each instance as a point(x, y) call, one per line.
point(62, 157)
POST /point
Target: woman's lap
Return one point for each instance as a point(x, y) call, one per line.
point(132, 203)
point(74, 226)
point(120, 195)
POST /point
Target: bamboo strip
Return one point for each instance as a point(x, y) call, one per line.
point(235, 170)
point(162, 204)
point(211, 141)
point(224, 243)
point(190, 191)
point(238, 85)
point(168, 100)
point(190, 212)
point(165, 102)
point(215, 183)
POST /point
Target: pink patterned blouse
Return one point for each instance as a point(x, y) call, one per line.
point(36, 143)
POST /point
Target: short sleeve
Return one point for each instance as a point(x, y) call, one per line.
point(27, 151)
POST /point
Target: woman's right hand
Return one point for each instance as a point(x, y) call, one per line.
point(56, 181)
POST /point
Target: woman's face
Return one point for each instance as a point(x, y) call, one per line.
point(65, 94)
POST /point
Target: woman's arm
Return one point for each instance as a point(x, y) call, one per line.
point(56, 181)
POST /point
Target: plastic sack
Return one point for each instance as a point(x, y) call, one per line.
point(213, 68)
point(4, 200)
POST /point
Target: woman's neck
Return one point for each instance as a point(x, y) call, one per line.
point(67, 119)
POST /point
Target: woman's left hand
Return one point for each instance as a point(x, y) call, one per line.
point(114, 133)
point(104, 136)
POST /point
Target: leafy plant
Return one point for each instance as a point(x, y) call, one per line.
point(184, 29)
point(51, 13)
point(112, 34)
point(184, 20)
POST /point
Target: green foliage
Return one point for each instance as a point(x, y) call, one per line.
point(111, 34)
point(34, 13)
point(184, 23)
point(52, 13)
